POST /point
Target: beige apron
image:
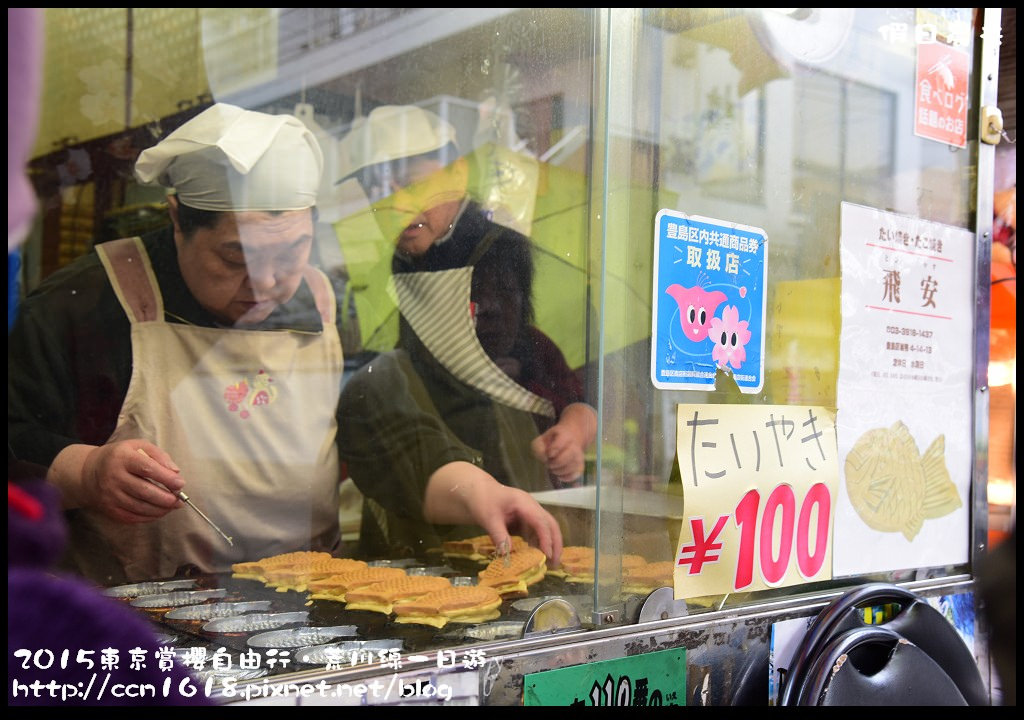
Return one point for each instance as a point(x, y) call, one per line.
point(248, 416)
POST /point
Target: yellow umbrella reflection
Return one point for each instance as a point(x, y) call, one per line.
point(568, 277)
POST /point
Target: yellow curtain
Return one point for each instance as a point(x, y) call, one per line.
point(83, 76)
point(106, 70)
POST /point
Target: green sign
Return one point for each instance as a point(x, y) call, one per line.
point(654, 678)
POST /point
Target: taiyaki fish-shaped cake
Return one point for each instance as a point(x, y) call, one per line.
point(648, 577)
point(581, 569)
point(459, 604)
point(572, 556)
point(298, 576)
point(382, 596)
point(512, 575)
point(336, 586)
point(479, 548)
point(256, 570)
point(892, 487)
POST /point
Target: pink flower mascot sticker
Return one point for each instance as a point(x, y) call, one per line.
point(730, 335)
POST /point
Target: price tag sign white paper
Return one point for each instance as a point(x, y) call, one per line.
point(760, 485)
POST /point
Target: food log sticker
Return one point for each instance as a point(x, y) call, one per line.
point(940, 96)
point(709, 303)
point(892, 487)
point(760, 485)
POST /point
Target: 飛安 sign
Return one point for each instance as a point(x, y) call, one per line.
point(709, 302)
point(760, 485)
point(905, 387)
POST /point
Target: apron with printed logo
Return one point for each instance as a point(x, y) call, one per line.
point(249, 418)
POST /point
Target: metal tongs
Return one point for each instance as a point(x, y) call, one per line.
point(504, 551)
point(185, 499)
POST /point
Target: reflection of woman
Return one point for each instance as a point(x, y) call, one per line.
point(472, 384)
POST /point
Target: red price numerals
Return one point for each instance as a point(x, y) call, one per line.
point(762, 541)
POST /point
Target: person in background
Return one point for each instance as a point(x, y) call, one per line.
point(48, 613)
point(473, 387)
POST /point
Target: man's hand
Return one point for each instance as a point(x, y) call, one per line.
point(561, 447)
point(116, 481)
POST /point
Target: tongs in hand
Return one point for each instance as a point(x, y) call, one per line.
point(185, 499)
point(504, 551)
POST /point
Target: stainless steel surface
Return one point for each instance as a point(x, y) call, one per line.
point(156, 587)
point(400, 563)
point(255, 622)
point(719, 643)
point(493, 631)
point(583, 603)
point(178, 598)
point(210, 611)
point(349, 653)
point(233, 674)
point(661, 605)
point(301, 636)
point(436, 571)
point(987, 74)
point(552, 616)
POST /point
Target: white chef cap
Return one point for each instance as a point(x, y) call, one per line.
point(231, 159)
point(392, 132)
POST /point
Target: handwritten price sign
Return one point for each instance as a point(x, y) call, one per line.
point(760, 485)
